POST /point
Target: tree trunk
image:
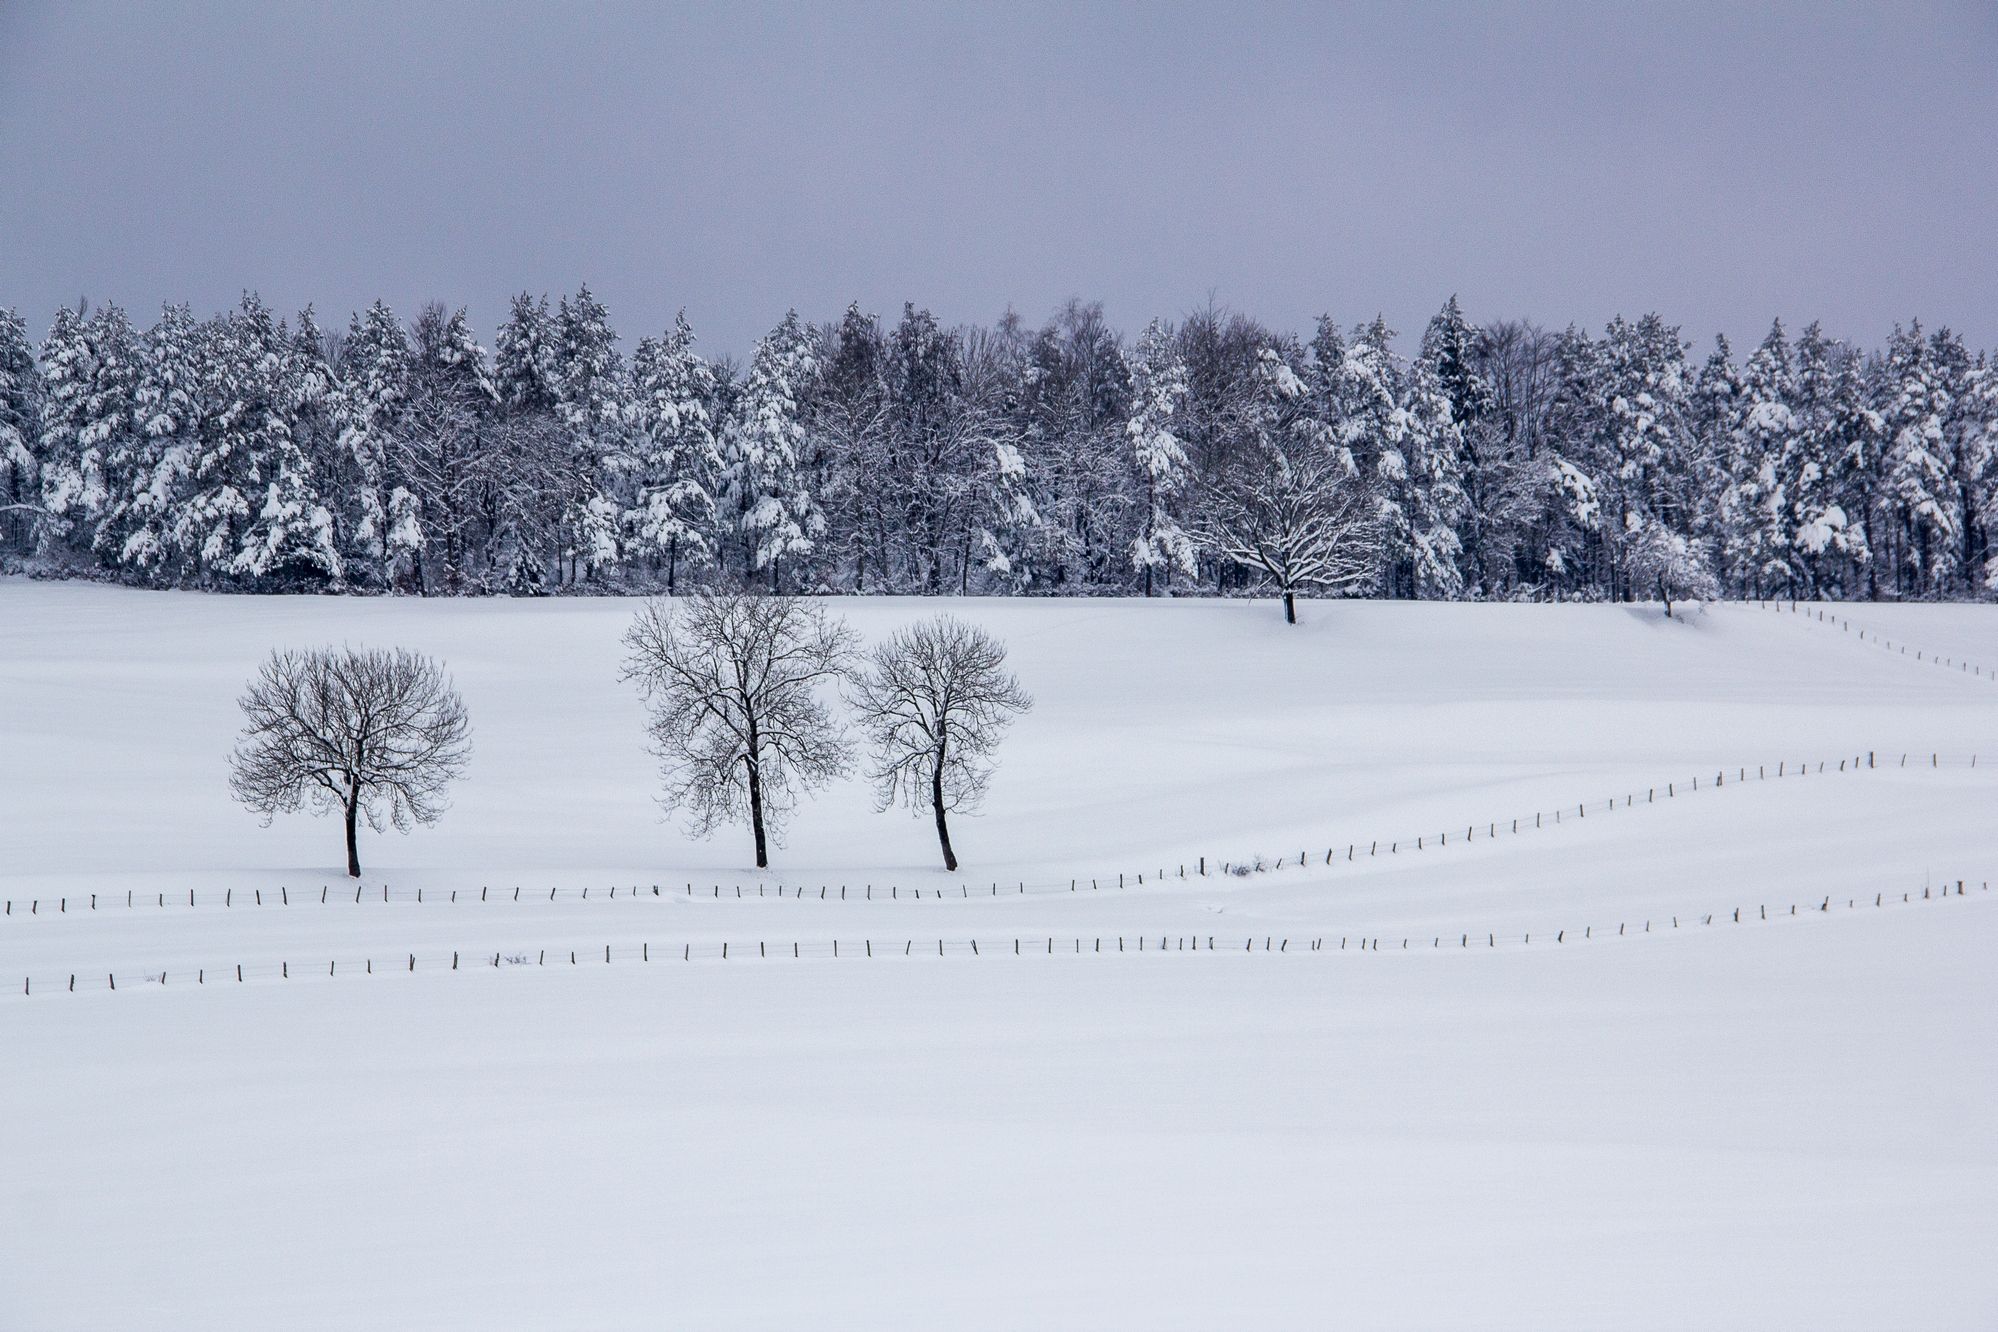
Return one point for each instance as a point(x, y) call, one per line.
point(1289, 606)
point(937, 803)
point(756, 805)
point(672, 563)
point(353, 853)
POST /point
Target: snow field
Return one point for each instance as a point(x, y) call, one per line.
point(1765, 1124)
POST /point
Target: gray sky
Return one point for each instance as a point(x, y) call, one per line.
point(1552, 161)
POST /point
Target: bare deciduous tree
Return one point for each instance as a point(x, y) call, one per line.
point(376, 735)
point(1292, 513)
point(732, 682)
point(935, 699)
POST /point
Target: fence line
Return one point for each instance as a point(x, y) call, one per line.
point(1824, 615)
point(646, 953)
point(62, 905)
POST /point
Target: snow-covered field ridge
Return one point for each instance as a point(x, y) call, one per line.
point(1416, 966)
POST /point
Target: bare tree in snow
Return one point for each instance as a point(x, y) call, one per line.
point(732, 682)
point(935, 700)
point(377, 735)
point(1293, 514)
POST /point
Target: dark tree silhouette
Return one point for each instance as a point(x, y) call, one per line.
point(377, 735)
point(935, 699)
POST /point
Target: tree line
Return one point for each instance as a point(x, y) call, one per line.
point(735, 688)
point(1210, 455)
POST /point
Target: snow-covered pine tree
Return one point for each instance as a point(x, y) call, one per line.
point(1370, 423)
point(90, 375)
point(1833, 469)
point(1434, 498)
point(1572, 536)
point(168, 416)
point(1757, 509)
point(1493, 473)
point(291, 540)
point(383, 537)
point(762, 447)
point(1396, 421)
point(1925, 544)
point(1983, 400)
point(593, 404)
point(674, 451)
point(20, 434)
point(1159, 465)
point(1713, 414)
point(1012, 542)
point(1645, 467)
point(1967, 428)
point(524, 488)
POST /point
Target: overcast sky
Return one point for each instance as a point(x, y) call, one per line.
point(1557, 162)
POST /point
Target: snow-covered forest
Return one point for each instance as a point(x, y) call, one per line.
point(250, 452)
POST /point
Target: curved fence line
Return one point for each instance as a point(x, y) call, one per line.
point(1873, 637)
point(868, 949)
point(60, 906)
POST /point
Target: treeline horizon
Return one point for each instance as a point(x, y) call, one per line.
point(1506, 461)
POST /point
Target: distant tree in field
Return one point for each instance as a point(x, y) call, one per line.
point(732, 681)
point(1670, 565)
point(935, 700)
point(1290, 507)
point(376, 735)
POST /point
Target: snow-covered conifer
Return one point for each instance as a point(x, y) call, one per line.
point(762, 448)
point(1158, 387)
point(20, 432)
point(90, 375)
point(675, 453)
point(374, 403)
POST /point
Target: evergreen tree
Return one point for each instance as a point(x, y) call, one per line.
point(1644, 466)
point(291, 540)
point(1758, 508)
point(762, 448)
point(1158, 387)
point(1434, 497)
point(1926, 545)
point(168, 416)
point(593, 406)
point(523, 496)
point(1497, 498)
point(382, 530)
point(675, 453)
point(20, 433)
point(90, 373)
point(1833, 470)
point(1573, 534)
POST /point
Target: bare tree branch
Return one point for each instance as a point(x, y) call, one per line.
point(376, 735)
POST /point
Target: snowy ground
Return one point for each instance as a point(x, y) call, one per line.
point(1538, 1079)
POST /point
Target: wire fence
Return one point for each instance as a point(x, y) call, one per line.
point(869, 949)
point(1822, 615)
point(61, 905)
